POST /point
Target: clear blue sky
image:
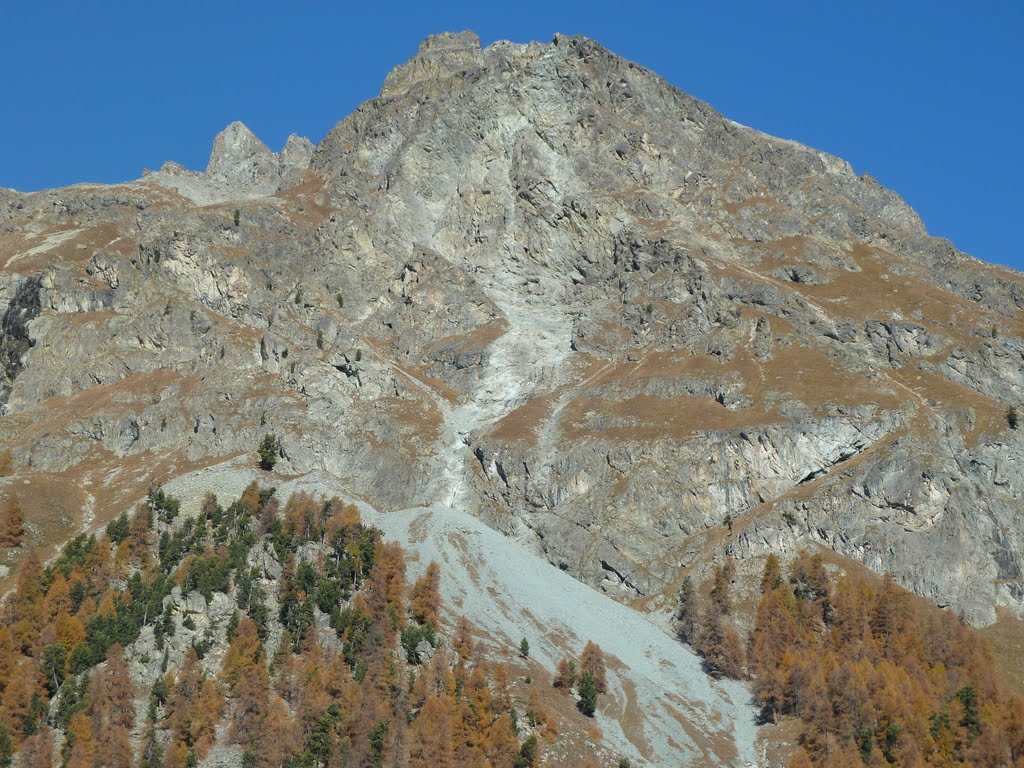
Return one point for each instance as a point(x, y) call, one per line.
point(926, 95)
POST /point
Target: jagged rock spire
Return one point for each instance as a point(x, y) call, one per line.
point(239, 157)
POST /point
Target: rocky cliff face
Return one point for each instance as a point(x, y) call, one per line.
point(537, 283)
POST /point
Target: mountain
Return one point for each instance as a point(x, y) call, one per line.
point(538, 287)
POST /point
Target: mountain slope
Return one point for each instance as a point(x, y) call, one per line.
point(660, 708)
point(542, 285)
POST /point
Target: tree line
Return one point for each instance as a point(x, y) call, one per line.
point(324, 666)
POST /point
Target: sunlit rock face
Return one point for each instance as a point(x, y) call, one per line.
point(542, 285)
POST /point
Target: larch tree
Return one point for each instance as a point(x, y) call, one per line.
point(387, 582)
point(721, 647)
point(565, 674)
point(140, 531)
point(6, 463)
point(426, 596)
point(500, 743)
point(8, 658)
point(245, 673)
point(279, 739)
point(58, 598)
point(37, 751)
point(432, 735)
point(774, 634)
point(194, 707)
point(82, 752)
point(251, 702)
point(716, 640)
point(12, 522)
point(244, 652)
point(112, 709)
point(16, 703)
point(772, 575)
point(592, 663)
point(799, 759)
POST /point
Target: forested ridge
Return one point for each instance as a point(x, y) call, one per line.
point(288, 635)
point(874, 675)
point(328, 656)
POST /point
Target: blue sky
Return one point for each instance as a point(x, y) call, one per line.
point(926, 95)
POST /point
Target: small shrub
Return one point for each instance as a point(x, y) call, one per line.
point(565, 674)
point(412, 636)
point(1012, 417)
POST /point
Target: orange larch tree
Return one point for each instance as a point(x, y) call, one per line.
point(12, 522)
point(592, 663)
point(432, 735)
point(426, 596)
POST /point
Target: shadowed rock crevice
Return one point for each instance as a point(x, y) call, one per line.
point(15, 341)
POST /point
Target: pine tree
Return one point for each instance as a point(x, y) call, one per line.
point(269, 449)
point(588, 694)
point(687, 613)
point(529, 753)
point(524, 648)
point(152, 752)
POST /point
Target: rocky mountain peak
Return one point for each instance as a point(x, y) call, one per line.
point(239, 157)
point(626, 293)
point(444, 53)
point(294, 159)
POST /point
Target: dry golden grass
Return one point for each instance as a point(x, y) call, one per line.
point(522, 424)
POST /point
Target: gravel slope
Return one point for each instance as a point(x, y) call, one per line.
point(661, 709)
